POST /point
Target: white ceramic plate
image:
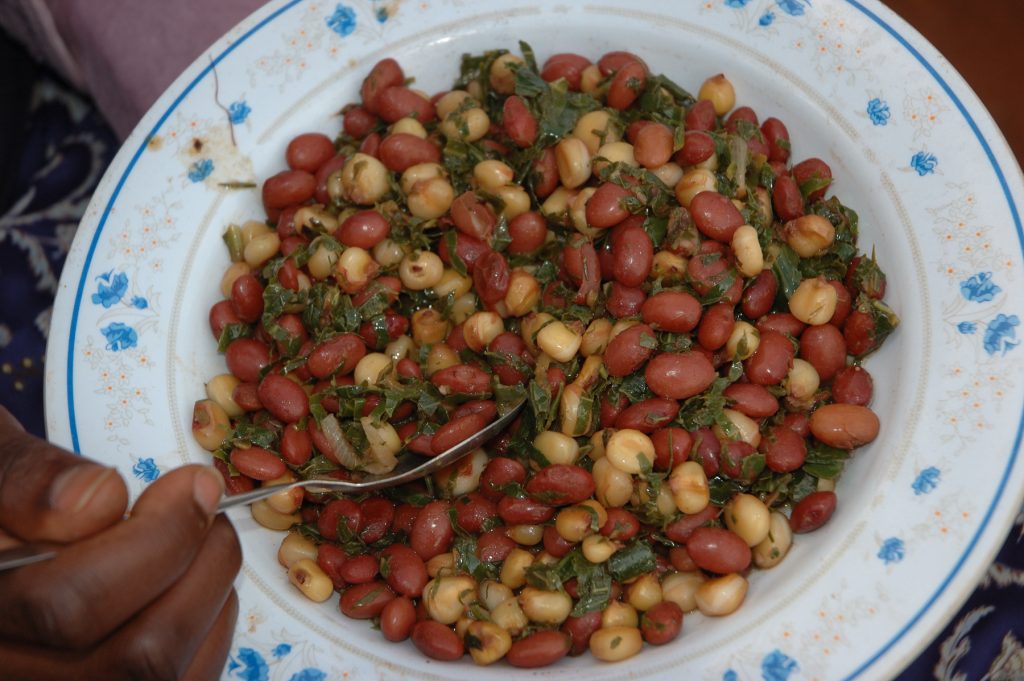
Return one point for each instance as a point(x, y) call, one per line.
point(922, 510)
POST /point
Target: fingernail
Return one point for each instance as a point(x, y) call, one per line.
point(75, 487)
point(208, 487)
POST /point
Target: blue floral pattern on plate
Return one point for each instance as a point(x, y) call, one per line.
point(200, 170)
point(794, 8)
point(146, 470)
point(926, 481)
point(893, 550)
point(1001, 334)
point(239, 111)
point(878, 112)
point(777, 666)
point(111, 288)
point(979, 288)
point(343, 21)
point(924, 163)
point(120, 336)
point(766, 19)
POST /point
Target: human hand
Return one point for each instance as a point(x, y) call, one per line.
point(149, 596)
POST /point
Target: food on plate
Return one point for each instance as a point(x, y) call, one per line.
point(683, 307)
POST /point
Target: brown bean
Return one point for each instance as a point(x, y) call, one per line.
point(770, 363)
point(437, 641)
point(652, 147)
point(398, 102)
point(648, 415)
point(539, 649)
point(284, 398)
point(671, 447)
point(457, 431)
point(462, 379)
point(783, 448)
point(432, 533)
point(384, 74)
point(287, 188)
point(786, 198)
point(715, 216)
point(777, 136)
point(629, 350)
point(565, 65)
point(813, 171)
point(844, 425)
point(759, 296)
point(365, 601)
point(674, 311)
point(752, 399)
point(718, 550)
point(852, 385)
point(257, 463)
point(632, 253)
point(247, 298)
point(246, 358)
point(629, 81)
point(679, 375)
point(309, 151)
point(624, 301)
point(681, 529)
point(517, 121)
point(812, 511)
point(400, 151)
point(527, 232)
point(716, 326)
point(404, 570)
point(338, 355)
point(397, 619)
point(524, 511)
point(561, 485)
point(661, 623)
point(824, 347)
point(499, 472)
point(605, 208)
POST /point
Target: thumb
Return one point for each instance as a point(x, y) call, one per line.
point(48, 494)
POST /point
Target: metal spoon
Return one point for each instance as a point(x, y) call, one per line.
point(410, 467)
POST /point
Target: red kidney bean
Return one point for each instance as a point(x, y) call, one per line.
point(674, 311)
point(759, 296)
point(781, 322)
point(462, 379)
point(701, 116)
point(716, 326)
point(852, 385)
point(475, 512)
point(539, 649)
point(384, 74)
point(295, 329)
point(486, 408)
point(247, 298)
point(499, 472)
point(246, 358)
point(561, 485)
point(605, 208)
point(565, 65)
point(859, 333)
point(672, 446)
point(715, 215)
point(511, 345)
point(397, 618)
point(823, 346)
point(632, 253)
point(629, 350)
point(257, 463)
point(494, 545)
point(609, 409)
point(491, 277)
point(296, 445)
point(771, 361)
point(787, 199)
point(365, 229)
point(736, 461)
point(287, 188)
point(404, 570)
point(718, 550)
point(527, 232)
point(370, 144)
point(376, 516)
point(844, 303)
point(652, 147)
point(359, 569)
point(629, 81)
point(524, 511)
point(544, 174)
point(408, 368)
point(333, 513)
point(783, 448)
point(331, 558)
point(612, 62)
point(681, 529)
point(812, 511)
point(288, 275)
point(648, 415)
point(580, 629)
point(621, 525)
point(405, 516)
point(284, 398)
point(221, 314)
point(432, 531)
point(398, 102)
point(582, 265)
point(845, 426)
point(437, 641)
point(740, 113)
point(698, 146)
point(661, 623)
point(624, 301)
point(709, 271)
point(752, 399)
point(706, 451)
point(813, 171)
point(777, 136)
point(233, 484)
point(679, 375)
point(334, 164)
point(309, 151)
point(473, 216)
point(365, 601)
point(400, 151)
point(358, 122)
point(457, 431)
point(517, 121)
point(337, 355)
point(798, 423)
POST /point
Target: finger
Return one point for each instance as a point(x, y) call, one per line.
point(208, 663)
point(161, 641)
point(94, 586)
point(49, 494)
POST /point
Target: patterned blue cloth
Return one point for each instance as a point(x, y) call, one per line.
point(62, 150)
